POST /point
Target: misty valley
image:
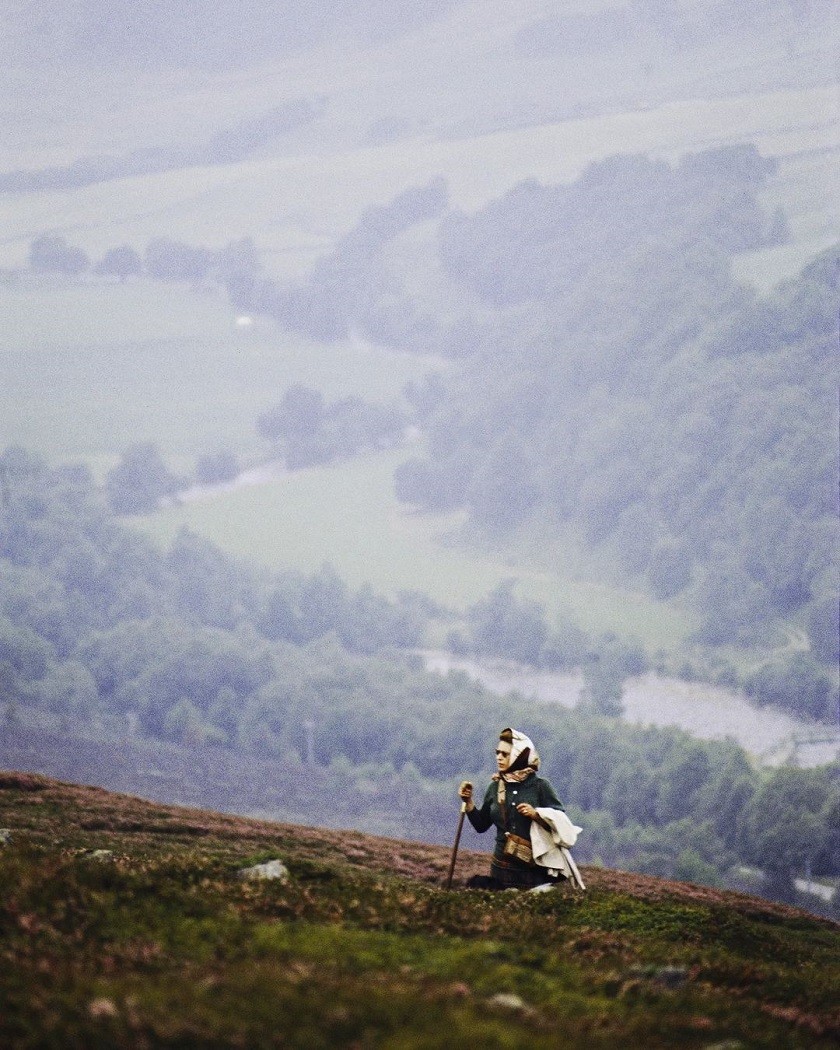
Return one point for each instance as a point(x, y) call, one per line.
point(376, 376)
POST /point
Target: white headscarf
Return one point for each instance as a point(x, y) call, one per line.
point(519, 743)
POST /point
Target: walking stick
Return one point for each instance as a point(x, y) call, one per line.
point(455, 847)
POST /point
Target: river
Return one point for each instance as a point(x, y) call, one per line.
point(707, 711)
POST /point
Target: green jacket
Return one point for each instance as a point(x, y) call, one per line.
point(535, 790)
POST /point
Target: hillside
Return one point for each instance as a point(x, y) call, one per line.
point(614, 376)
point(242, 119)
point(158, 942)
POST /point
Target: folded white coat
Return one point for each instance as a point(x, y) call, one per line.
point(550, 845)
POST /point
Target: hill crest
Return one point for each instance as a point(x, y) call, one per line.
point(101, 813)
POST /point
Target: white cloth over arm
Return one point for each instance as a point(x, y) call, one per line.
point(550, 845)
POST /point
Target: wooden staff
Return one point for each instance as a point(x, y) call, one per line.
point(455, 847)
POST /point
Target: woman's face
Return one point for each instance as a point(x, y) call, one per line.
point(503, 750)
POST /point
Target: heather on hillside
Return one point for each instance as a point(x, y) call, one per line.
point(128, 922)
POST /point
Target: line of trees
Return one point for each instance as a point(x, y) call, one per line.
point(141, 481)
point(164, 259)
point(227, 146)
point(306, 430)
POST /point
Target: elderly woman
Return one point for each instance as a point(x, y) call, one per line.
point(511, 803)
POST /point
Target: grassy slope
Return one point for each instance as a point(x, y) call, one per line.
point(159, 943)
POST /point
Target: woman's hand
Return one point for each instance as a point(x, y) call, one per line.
point(527, 810)
point(465, 792)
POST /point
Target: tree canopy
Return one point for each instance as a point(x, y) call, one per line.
point(614, 375)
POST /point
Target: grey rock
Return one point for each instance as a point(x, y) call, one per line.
point(665, 976)
point(671, 976)
point(102, 1009)
point(512, 1003)
point(5, 836)
point(272, 869)
point(508, 1001)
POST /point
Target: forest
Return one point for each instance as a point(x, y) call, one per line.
point(614, 376)
point(102, 633)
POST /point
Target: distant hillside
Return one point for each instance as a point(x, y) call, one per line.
point(612, 374)
point(127, 923)
point(149, 33)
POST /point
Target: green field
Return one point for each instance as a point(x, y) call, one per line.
point(346, 514)
point(87, 369)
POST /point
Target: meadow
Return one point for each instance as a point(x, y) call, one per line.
point(346, 514)
point(89, 368)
